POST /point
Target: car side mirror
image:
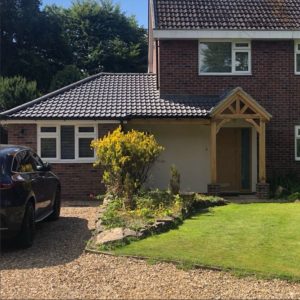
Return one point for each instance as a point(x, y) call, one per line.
point(46, 167)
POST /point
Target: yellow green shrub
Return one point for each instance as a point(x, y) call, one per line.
point(126, 158)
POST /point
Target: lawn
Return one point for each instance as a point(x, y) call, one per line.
point(261, 239)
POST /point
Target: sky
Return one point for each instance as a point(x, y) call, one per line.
point(139, 8)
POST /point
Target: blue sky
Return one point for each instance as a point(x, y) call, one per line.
point(139, 8)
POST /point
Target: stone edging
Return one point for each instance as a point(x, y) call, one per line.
point(106, 239)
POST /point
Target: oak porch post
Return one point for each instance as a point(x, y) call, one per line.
point(262, 188)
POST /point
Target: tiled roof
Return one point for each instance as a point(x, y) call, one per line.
point(113, 96)
point(228, 14)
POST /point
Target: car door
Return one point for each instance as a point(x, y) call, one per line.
point(49, 182)
point(33, 181)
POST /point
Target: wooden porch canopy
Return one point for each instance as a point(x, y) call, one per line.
point(239, 105)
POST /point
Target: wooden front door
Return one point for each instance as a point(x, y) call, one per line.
point(234, 159)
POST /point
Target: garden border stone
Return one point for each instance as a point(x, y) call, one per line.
point(107, 239)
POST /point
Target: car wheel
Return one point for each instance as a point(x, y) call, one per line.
point(26, 235)
point(56, 207)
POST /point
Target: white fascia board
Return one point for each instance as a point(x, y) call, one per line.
point(50, 122)
point(227, 34)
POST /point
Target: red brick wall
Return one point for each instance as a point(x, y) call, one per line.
point(78, 181)
point(272, 83)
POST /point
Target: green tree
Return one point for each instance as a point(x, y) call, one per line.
point(32, 43)
point(102, 37)
point(16, 91)
point(66, 76)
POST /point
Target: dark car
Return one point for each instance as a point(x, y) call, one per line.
point(29, 193)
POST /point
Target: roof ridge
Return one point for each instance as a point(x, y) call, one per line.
point(63, 89)
point(112, 73)
point(51, 94)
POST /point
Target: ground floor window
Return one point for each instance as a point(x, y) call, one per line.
point(66, 142)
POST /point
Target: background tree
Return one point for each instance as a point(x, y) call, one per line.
point(102, 38)
point(66, 76)
point(16, 91)
point(92, 35)
point(32, 43)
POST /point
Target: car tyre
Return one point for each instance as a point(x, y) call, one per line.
point(56, 207)
point(27, 233)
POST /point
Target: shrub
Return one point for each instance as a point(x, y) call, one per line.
point(15, 91)
point(294, 196)
point(174, 181)
point(111, 217)
point(126, 159)
point(281, 186)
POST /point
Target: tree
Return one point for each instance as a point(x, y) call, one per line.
point(102, 38)
point(65, 77)
point(32, 42)
point(16, 91)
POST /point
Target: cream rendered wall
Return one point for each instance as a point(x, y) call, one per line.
point(186, 146)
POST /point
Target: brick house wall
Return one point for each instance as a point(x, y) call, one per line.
point(272, 83)
point(78, 180)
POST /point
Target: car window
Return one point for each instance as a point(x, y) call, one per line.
point(37, 160)
point(24, 163)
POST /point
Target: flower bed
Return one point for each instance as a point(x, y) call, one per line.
point(155, 212)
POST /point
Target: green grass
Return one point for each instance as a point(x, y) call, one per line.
point(261, 239)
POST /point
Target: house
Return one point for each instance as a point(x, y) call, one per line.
point(222, 95)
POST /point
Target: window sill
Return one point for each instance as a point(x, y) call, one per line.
point(225, 74)
point(71, 161)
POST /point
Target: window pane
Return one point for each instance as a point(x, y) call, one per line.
point(48, 147)
point(241, 61)
point(298, 62)
point(26, 163)
point(85, 147)
point(48, 129)
point(215, 57)
point(298, 47)
point(67, 136)
point(241, 45)
point(86, 129)
point(298, 148)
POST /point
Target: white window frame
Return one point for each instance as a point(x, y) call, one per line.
point(297, 52)
point(58, 159)
point(234, 50)
point(297, 137)
point(51, 135)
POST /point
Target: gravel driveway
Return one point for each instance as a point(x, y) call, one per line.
point(57, 267)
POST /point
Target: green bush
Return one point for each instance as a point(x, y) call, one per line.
point(111, 218)
point(283, 185)
point(294, 196)
point(15, 91)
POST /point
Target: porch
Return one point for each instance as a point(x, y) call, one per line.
point(231, 145)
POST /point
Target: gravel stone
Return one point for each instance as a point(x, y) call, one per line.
point(56, 267)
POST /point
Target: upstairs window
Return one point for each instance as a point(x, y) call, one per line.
point(297, 57)
point(66, 142)
point(223, 58)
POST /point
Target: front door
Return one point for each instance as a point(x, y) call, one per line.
point(234, 159)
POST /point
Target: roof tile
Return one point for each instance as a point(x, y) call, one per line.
point(228, 14)
point(113, 96)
